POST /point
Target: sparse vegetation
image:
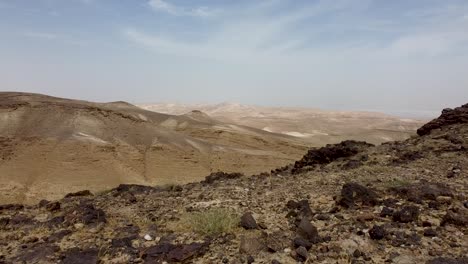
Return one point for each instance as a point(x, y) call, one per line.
point(212, 221)
point(395, 183)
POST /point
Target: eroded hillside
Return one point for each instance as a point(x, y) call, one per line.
point(51, 146)
point(400, 202)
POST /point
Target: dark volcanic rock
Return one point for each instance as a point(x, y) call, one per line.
point(13, 207)
point(220, 176)
point(276, 242)
point(407, 156)
point(58, 236)
point(21, 219)
point(330, 153)
point(458, 115)
point(124, 242)
point(134, 188)
point(408, 213)
point(174, 253)
point(300, 209)
point(86, 214)
point(248, 221)
point(301, 242)
point(377, 232)
point(386, 211)
point(458, 219)
point(351, 193)
point(4, 221)
point(79, 194)
point(78, 256)
point(307, 231)
point(37, 254)
point(429, 232)
point(302, 254)
point(401, 238)
point(53, 206)
point(422, 191)
point(442, 260)
point(56, 221)
point(129, 197)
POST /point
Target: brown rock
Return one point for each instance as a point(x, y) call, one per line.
point(53, 206)
point(252, 244)
point(79, 256)
point(302, 254)
point(248, 221)
point(276, 242)
point(408, 213)
point(365, 217)
point(353, 193)
point(79, 194)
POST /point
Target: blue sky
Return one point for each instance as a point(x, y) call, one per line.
point(343, 54)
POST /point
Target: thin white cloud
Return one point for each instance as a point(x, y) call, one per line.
point(47, 36)
point(165, 6)
point(431, 44)
point(255, 33)
point(41, 35)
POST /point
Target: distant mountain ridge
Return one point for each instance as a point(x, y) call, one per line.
point(316, 126)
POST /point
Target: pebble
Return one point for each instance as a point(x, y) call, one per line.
point(148, 237)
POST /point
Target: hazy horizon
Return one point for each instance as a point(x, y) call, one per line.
point(386, 56)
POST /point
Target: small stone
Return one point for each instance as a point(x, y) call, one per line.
point(322, 217)
point(53, 206)
point(377, 232)
point(365, 217)
point(248, 221)
point(408, 213)
point(357, 253)
point(386, 211)
point(287, 250)
point(252, 244)
point(301, 242)
point(429, 232)
point(302, 253)
point(78, 225)
point(148, 237)
point(444, 199)
point(308, 231)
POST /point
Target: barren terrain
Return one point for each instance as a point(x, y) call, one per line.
point(315, 126)
point(51, 146)
point(400, 202)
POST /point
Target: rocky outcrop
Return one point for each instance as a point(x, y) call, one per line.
point(448, 117)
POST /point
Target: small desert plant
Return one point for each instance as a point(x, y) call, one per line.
point(212, 221)
point(396, 183)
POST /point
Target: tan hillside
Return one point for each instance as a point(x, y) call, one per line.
point(51, 146)
point(318, 127)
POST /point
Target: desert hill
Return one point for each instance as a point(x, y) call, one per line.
point(399, 202)
point(50, 146)
point(315, 126)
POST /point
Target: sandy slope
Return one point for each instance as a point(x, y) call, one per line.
point(51, 146)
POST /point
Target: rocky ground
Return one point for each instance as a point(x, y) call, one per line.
point(400, 202)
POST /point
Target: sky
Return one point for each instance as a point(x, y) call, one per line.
point(392, 56)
